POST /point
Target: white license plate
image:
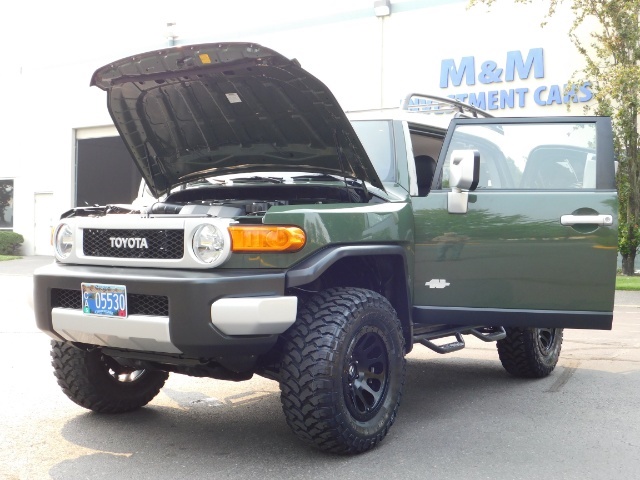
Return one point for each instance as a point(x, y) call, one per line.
point(103, 299)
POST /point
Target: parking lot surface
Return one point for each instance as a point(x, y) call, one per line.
point(461, 416)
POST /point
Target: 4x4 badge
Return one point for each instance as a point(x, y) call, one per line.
point(437, 283)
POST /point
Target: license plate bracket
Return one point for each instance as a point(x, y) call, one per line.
point(104, 300)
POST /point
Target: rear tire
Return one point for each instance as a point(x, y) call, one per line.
point(343, 370)
point(97, 382)
point(530, 352)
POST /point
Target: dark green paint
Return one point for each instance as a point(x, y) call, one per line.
point(496, 256)
point(334, 224)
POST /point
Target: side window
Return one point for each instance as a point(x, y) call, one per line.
point(533, 156)
point(426, 148)
point(376, 138)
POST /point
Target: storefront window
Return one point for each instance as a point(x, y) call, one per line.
point(6, 204)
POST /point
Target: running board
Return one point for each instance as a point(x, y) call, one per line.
point(447, 347)
point(486, 334)
point(489, 336)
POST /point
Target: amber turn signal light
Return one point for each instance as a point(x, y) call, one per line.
point(266, 238)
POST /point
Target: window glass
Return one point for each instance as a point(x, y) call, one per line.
point(555, 156)
point(6, 204)
point(375, 136)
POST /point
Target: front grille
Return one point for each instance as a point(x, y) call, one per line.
point(66, 298)
point(156, 244)
point(155, 305)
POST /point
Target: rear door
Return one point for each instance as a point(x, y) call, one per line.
point(537, 246)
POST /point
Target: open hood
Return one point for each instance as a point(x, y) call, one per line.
point(203, 110)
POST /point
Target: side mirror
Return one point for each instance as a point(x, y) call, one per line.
point(464, 175)
point(464, 169)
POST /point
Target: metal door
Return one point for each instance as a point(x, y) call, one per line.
point(537, 246)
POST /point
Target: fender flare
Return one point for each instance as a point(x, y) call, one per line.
point(314, 266)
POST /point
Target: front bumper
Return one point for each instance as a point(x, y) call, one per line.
point(196, 301)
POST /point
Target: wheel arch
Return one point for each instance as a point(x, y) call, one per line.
point(380, 268)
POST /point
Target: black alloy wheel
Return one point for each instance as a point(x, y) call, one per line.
point(366, 375)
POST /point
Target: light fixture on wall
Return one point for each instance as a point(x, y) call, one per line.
point(171, 33)
point(382, 8)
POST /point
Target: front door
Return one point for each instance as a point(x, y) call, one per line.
point(537, 245)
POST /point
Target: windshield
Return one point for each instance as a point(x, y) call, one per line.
point(375, 136)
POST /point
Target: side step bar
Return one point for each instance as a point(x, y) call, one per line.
point(447, 347)
point(484, 334)
point(487, 335)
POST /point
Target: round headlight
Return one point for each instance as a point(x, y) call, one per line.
point(208, 243)
point(63, 240)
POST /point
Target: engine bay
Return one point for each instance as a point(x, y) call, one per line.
point(244, 200)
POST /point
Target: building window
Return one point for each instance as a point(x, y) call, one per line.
point(6, 204)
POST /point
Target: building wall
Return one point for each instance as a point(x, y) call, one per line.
point(368, 62)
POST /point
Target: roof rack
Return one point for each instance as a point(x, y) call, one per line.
point(419, 102)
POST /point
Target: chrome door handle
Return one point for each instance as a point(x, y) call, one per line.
point(586, 220)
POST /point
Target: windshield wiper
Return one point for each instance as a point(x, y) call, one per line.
point(325, 177)
point(258, 179)
point(320, 177)
point(204, 182)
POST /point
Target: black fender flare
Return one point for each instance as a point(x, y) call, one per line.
point(314, 266)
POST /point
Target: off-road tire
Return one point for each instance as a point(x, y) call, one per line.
point(530, 352)
point(343, 370)
point(89, 379)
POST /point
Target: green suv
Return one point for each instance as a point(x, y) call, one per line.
point(292, 241)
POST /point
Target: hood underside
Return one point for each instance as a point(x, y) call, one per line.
point(204, 110)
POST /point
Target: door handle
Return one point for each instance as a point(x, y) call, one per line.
point(586, 220)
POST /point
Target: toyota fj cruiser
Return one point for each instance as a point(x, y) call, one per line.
point(291, 242)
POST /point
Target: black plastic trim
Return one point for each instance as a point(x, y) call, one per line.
point(314, 266)
point(190, 294)
point(490, 317)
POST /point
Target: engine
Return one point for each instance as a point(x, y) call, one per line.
point(233, 201)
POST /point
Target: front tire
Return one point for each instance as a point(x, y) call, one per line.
point(530, 352)
point(97, 382)
point(343, 370)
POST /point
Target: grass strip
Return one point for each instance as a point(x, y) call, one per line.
point(627, 283)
